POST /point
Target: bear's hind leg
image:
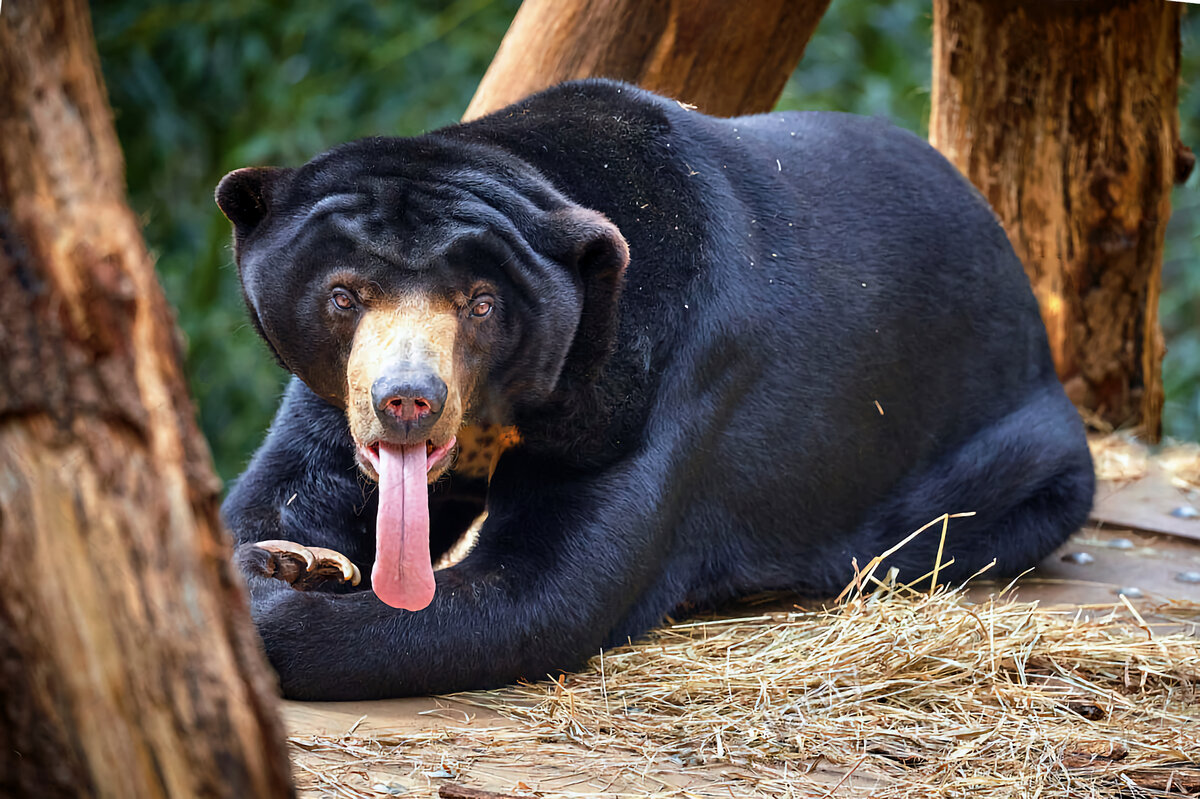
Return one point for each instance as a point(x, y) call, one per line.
point(1028, 479)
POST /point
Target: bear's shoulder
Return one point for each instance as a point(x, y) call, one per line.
point(578, 118)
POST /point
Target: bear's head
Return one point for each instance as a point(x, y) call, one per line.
point(420, 283)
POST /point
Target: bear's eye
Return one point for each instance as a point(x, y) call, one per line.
point(342, 299)
point(481, 306)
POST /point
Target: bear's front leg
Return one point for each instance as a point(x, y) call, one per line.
point(561, 563)
point(301, 514)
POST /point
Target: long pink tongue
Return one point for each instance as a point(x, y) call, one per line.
point(403, 573)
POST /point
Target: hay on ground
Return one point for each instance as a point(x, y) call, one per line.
point(1121, 458)
point(997, 699)
point(947, 698)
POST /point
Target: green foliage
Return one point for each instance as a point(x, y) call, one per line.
point(201, 87)
point(868, 57)
point(1180, 304)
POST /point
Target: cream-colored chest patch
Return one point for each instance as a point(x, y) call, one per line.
point(480, 446)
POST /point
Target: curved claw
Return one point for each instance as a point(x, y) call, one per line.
point(319, 563)
point(350, 572)
point(290, 548)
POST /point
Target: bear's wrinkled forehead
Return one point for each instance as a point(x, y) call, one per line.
point(413, 217)
point(352, 232)
point(400, 230)
point(427, 176)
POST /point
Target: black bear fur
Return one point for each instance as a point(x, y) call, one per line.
point(821, 341)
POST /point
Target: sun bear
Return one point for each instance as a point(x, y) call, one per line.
point(738, 355)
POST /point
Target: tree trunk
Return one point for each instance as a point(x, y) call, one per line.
point(1065, 116)
point(128, 665)
point(726, 58)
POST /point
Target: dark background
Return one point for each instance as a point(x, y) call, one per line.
point(203, 87)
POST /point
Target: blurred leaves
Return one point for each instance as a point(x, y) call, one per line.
point(201, 88)
point(868, 57)
point(1180, 304)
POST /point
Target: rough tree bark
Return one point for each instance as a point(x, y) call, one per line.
point(128, 666)
point(1065, 116)
point(726, 58)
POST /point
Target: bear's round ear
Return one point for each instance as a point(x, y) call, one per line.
point(244, 196)
point(588, 242)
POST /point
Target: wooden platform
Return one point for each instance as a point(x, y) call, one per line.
point(1144, 542)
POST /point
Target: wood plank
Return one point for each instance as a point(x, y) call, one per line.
point(1151, 564)
point(1145, 504)
point(398, 716)
point(412, 746)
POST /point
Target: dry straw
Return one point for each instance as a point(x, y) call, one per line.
point(1120, 458)
point(999, 698)
point(933, 694)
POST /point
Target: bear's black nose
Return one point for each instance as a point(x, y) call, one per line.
point(409, 402)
